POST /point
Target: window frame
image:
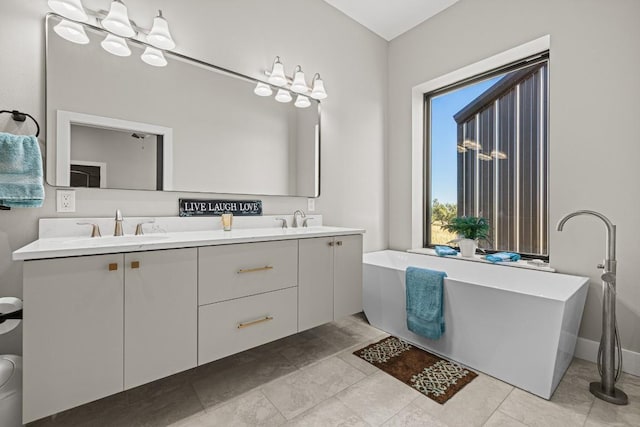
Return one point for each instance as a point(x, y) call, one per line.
point(542, 57)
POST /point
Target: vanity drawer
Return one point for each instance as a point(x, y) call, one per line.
point(233, 271)
point(229, 327)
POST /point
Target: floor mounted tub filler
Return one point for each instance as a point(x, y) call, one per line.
point(518, 325)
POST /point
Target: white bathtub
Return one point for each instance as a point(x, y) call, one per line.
point(514, 324)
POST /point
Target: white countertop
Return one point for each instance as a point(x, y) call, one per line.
point(74, 245)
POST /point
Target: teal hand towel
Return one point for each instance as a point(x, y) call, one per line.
point(425, 301)
point(20, 171)
point(503, 257)
point(445, 251)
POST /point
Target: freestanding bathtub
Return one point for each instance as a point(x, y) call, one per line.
point(515, 324)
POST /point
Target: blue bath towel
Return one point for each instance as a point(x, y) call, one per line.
point(20, 171)
point(425, 302)
point(445, 251)
point(502, 257)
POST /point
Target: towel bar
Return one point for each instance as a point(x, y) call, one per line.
point(21, 117)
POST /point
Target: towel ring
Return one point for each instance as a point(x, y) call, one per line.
point(21, 117)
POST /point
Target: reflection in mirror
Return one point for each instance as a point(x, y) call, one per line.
point(215, 134)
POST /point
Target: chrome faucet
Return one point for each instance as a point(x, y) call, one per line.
point(610, 339)
point(295, 217)
point(118, 229)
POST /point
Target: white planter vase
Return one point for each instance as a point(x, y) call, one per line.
point(467, 247)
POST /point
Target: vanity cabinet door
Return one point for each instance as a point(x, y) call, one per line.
point(347, 281)
point(315, 282)
point(72, 336)
point(161, 314)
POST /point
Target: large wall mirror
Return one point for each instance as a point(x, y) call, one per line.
point(117, 122)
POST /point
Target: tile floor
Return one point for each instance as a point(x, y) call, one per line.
point(312, 379)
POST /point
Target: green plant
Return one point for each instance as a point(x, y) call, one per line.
point(468, 227)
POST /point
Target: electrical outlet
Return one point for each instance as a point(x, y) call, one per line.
point(66, 200)
point(311, 205)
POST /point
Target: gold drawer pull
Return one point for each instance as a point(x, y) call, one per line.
point(254, 322)
point(253, 270)
point(113, 266)
point(135, 264)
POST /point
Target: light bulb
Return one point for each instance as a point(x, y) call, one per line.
point(277, 77)
point(115, 45)
point(283, 96)
point(299, 85)
point(263, 89)
point(117, 20)
point(302, 102)
point(159, 36)
point(72, 31)
point(318, 91)
point(153, 56)
point(71, 9)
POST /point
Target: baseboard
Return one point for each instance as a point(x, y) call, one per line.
point(588, 350)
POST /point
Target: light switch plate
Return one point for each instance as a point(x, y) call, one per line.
point(311, 205)
point(65, 200)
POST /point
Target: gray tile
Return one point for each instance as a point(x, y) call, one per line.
point(105, 412)
point(413, 415)
point(471, 406)
point(535, 411)
point(603, 413)
point(164, 409)
point(251, 409)
point(330, 413)
point(298, 392)
point(229, 381)
point(378, 397)
point(500, 419)
point(308, 352)
point(357, 362)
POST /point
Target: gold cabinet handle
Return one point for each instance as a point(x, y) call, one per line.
point(135, 264)
point(113, 266)
point(254, 322)
point(339, 243)
point(253, 270)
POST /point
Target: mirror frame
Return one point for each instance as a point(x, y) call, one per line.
point(67, 118)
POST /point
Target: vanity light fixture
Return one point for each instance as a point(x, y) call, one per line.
point(302, 102)
point(117, 20)
point(299, 85)
point(263, 89)
point(153, 56)
point(71, 31)
point(115, 45)
point(159, 36)
point(318, 91)
point(283, 96)
point(119, 28)
point(71, 9)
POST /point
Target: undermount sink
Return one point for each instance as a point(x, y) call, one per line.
point(115, 240)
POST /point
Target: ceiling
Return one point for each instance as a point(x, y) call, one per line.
point(390, 18)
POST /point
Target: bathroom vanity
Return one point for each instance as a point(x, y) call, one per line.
point(103, 315)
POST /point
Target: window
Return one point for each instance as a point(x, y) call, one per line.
point(487, 156)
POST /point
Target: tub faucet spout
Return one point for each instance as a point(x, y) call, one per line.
point(610, 262)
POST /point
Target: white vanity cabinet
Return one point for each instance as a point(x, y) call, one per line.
point(347, 275)
point(160, 314)
point(72, 332)
point(97, 325)
point(248, 296)
point(330, 279)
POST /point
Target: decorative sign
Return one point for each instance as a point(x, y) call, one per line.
point(201, 207)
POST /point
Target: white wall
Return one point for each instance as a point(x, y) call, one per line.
point(594, 144)
point(243, 36)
